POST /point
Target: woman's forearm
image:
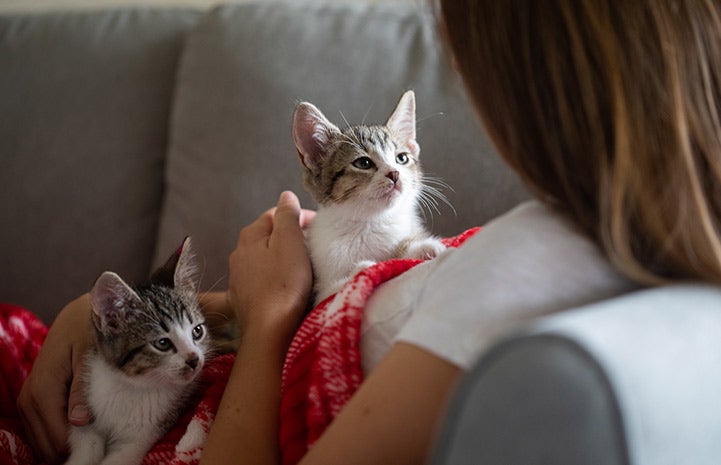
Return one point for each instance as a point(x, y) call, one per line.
point(246, 426)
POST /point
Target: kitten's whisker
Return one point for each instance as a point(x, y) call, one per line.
point(432, 115)
point(217, 315)
point(437, 181)
point(433, 196)
point(447, 202)
point(352, 143)
point(423, 209)
point(354, 137)
point(347, 124)
point(433, 192)
point(429, 202)
point(350, 139)
point(363, 121)
point(216, 283)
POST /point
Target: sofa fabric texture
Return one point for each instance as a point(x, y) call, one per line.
point(83, 137)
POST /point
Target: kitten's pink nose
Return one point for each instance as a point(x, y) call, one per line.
point(393, 176)
point(192, 361)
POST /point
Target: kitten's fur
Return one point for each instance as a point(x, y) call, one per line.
point(367, 182)
point(150, 345)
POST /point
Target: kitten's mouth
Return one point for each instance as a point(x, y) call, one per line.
point(187, 373)
point(390, 190)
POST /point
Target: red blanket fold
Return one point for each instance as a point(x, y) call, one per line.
point(322, 371)
point(21, 335)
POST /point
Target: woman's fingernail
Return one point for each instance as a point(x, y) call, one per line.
point(284, 196)
point(80, 414)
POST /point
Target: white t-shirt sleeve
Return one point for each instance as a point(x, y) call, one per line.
point(527, 263)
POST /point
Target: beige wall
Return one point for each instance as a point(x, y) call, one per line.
point(41, 5)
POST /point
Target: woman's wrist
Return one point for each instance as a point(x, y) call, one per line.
point(270, 326)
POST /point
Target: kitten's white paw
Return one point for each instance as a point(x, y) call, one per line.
point(425, 249)
point(86, 445)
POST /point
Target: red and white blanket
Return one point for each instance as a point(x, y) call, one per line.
point(322, 371)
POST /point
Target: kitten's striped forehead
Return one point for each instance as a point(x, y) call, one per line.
point(166, 308)
point(372, 138)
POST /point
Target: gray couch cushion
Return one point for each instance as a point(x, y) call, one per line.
point(85, 99)
point(243, 71)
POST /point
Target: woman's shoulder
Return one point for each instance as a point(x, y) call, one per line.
point(530, 236)
point(529, 220)
point(528, 262)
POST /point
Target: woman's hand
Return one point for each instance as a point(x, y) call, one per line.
point(270, 271)
point(52, 395)
point(270, 282)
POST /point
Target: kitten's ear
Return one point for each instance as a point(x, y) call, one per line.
point(403, 120)
point(111, 299)
point(179, 271)
point(311, 133)
point(184, 276)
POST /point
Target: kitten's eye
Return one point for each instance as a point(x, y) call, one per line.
point(402, 158)
point(363, 163)
point(163, 344)
point(198, 332)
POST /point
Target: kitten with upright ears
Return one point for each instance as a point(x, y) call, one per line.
point(367, 181)
point(150, 345)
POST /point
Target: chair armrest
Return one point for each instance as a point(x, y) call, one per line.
point(635, 379)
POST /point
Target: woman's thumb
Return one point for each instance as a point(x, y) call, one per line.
point(287, 212)
point(78, 410)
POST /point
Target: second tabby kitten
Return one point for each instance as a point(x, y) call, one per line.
point(367, 181)
point(150, 345)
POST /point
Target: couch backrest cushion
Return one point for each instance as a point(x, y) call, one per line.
point(83, 131)
point(244, 69)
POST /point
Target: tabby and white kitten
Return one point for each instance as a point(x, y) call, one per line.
point(367, 182)
point(150, 345)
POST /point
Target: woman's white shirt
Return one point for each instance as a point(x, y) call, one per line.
point(526, 263)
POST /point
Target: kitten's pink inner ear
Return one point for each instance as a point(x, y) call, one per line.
point(110, 298)
point(107, 289)
point(403, 119)
point(311, 134)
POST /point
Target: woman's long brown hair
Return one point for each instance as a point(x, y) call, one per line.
point(610, 112)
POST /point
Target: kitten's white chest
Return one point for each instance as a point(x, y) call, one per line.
point(121, 408)
point(340, 247)
point(128, 418)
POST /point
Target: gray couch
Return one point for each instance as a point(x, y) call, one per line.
point(122, 131)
